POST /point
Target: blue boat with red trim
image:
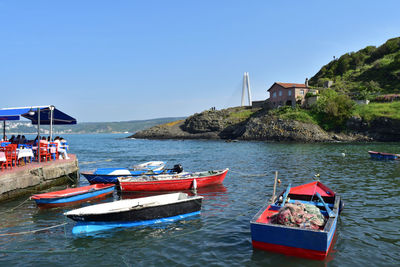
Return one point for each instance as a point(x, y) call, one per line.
point(304, 239)
point(383, 156)
point(72, 196)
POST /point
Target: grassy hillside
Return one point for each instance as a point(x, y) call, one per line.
point(370, 71)
point(375, 110)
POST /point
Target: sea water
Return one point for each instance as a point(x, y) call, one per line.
point(368, 232)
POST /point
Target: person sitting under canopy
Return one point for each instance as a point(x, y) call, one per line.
point(61, 150)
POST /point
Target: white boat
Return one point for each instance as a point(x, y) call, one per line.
point(150, 166)
point(135, 212)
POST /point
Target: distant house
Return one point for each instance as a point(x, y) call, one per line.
point(287, 94)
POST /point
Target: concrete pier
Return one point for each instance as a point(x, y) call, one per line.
point(33, 177)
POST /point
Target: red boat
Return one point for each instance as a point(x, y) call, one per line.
point(71, 196)
point(172, 182)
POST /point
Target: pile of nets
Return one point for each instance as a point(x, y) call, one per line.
point(300, 215)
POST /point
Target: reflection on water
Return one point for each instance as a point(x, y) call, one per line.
point(367, 232)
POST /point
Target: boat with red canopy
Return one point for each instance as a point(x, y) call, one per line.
point(300, 222)
point(172, 182)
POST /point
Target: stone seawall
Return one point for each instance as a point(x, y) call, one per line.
point(32, 178)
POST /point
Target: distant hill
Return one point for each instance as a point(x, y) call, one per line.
point(372, 69)
point(25, 127)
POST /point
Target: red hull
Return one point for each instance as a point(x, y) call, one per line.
point(70, 191)
point(291, 251)
point(72, 196)
point(296, 252)
point(173, 185)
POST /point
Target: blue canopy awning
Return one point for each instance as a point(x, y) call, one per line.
point(31, 113)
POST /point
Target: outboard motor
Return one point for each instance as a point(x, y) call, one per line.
point(178, 168)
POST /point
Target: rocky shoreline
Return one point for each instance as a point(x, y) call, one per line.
point(214, 124)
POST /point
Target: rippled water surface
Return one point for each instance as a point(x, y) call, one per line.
point(368, 233)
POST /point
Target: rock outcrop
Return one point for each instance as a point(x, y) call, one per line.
point(261, 125)
point(379, 129)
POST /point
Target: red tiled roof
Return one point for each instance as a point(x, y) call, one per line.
point(290, 85)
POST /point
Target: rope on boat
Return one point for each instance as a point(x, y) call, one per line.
point(33, 231)
point(19, 205)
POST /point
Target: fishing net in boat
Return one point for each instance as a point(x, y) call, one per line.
point(301, 215)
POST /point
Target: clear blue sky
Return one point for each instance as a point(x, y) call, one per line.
point(130, 60)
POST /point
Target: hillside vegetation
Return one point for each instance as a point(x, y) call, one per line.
point(370, 71)
point(376, 110)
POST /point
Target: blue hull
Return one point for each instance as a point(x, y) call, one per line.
point(76, 198)
point(384, 157)
point(89, 227)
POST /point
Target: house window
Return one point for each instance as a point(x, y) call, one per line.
point(302, 92)
point(289, 92)
point(280, 92)
point(274, 94)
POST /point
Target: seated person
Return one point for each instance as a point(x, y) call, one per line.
point(35, 142)
point(22, 140)
point(61, 150)
point(64, 143)
point(44, 141)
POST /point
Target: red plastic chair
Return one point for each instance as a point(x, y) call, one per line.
point(9, 158)
point(44, 152)
point(11, 153)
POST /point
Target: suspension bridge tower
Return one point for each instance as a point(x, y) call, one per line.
point(246, 85)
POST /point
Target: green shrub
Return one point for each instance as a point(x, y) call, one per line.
point(242, 115)
point(332, 110)
point(297, 114)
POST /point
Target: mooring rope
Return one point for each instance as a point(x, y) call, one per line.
point(249, 175)
point(91, 162)
point(33, 231)
point(143, 244)
point(19, 205)
point(70, 178)
point(40, 251)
